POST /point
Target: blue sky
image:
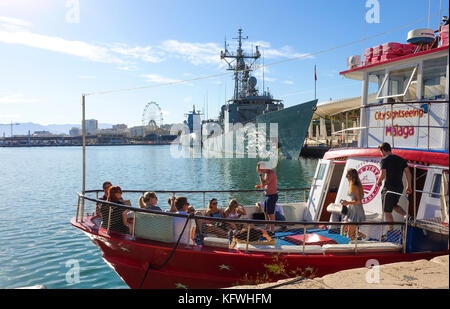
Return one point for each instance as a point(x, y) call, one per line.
point(49, 54)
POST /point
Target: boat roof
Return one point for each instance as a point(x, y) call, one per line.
point(415, 156)
point(357, 73)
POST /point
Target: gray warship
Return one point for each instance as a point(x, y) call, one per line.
point(252, 123)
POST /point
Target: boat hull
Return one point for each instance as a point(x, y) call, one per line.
point(196, 267)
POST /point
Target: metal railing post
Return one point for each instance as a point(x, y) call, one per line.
point(109, 219)
point(248, 237)
point(414, 193)
point(134, 224)
point(189, 231)
point(78, 209)
point(304, 238)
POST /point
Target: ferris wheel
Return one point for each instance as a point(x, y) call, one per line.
point(152, 115)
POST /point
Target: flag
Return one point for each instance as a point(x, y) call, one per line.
point(315, 82)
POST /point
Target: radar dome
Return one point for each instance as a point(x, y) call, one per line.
point(252, 82)
point(420, 36)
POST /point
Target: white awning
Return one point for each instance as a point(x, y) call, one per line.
point(334, 107)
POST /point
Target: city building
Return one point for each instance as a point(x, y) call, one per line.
point(91, 126)
point(42, 133)
point(119, 126)
point(75, 131)
point(137, 131)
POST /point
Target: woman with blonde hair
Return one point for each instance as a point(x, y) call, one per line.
point(234, 211)
point(355, 210)
point(148, 201)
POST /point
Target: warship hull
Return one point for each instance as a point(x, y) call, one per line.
point(277, 134)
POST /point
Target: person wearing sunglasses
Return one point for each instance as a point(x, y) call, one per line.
point(149, 201)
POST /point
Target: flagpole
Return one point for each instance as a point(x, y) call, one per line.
point(315, 82)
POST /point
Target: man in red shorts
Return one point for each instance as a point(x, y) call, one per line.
point(269, 182)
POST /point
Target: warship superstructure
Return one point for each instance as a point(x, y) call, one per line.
point(252, 123)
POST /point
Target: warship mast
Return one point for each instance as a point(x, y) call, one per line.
point(240, 67)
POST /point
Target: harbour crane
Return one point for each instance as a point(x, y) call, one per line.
point(10, 124)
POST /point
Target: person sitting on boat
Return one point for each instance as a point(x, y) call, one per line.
point(149, 201)
point(279, 213)
point(106, 185)
point(354, 206)
point(269, 181)
point(217, 228)
point(234, 211)
point(182, 206)
point(118, 216)
point(392, 169)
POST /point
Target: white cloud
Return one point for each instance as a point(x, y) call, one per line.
point(9, 116)
point(154, 78)
point(259, 75)
point(288, 82)
point(11, 98)
point(13, 22)
point(147, 54)
point(14, 31)
point(195, 53)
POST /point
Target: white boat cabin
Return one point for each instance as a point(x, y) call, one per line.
point(404, 102)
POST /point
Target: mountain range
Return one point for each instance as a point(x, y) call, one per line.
point(23, 128)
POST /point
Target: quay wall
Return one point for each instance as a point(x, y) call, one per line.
point(420, 274)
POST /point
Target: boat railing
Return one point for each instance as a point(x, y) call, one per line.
point(443, 196)
point(245, 234)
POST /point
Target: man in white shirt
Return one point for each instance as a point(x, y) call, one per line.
point(182, 206)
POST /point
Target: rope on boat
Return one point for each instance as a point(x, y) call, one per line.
point(170, 255)
point(296, 280)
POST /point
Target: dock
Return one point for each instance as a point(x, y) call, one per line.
point(420, 274)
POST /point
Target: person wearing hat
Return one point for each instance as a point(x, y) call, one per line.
point(269, 183)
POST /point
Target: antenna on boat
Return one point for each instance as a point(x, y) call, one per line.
point(429, 9)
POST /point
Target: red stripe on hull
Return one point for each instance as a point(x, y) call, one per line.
point(211, 268)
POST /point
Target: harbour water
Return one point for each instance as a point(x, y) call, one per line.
point(38, 198)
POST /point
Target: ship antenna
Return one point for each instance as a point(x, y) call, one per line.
point(263, 74)
point(429, 9)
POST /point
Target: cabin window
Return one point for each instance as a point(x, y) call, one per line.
point(321, 171)
point(434, 77)
point(375, 80)
point(436, 188)
point(400, 85)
